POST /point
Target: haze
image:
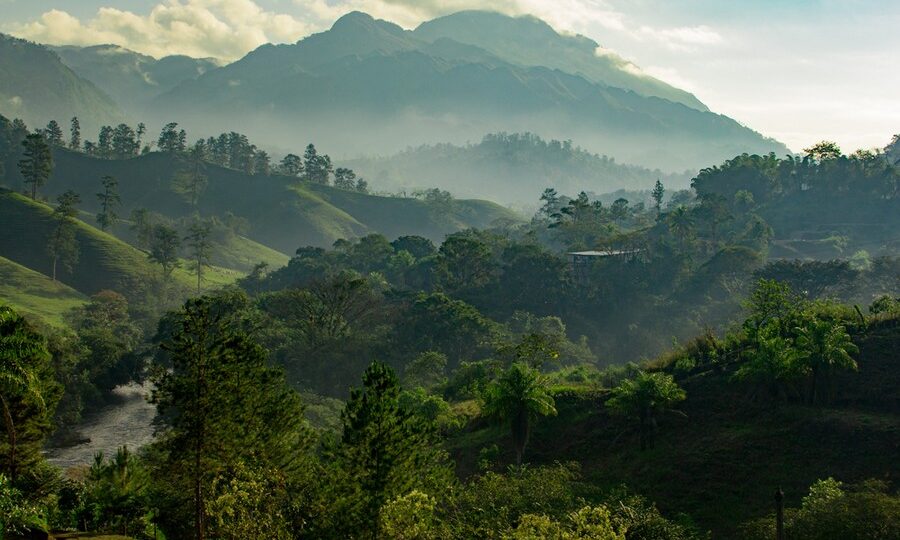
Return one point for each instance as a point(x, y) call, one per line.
point(797, 71)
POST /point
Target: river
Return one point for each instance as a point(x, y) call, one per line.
point(127, 421)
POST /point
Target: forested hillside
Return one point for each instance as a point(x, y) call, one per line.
point(427, 367)
point(509, 168)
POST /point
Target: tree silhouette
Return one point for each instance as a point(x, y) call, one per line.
point(36, 163)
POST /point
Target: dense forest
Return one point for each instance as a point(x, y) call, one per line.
point(428, 367)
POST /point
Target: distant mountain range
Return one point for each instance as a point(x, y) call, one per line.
point(369, 87)
point(513, 168)
point(37, 87)
point(133, 80)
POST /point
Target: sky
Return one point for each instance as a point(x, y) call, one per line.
point(800, 71)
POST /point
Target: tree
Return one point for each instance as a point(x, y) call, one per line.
point(62, 244)
point(190, 181)
point(54, 134)
point(657, 194)
point(170, 139)
point(164, 246)
point(417, 246)
point(465, 262)
point(519, 397)
point(384, 453)
point(345, 179)
point(823, 348)
point(316, 167)
point(75, 135)
point(221, 403)
point(643, 397)
point(23, 385)
point(142, 227)
point(198, 242)
point(104, 142)
point(771, 366)
point(291, 165)
point(124, 142)
point(109, 200)
point(550, 205)
point(681, 224)
point(823, 151)
point(36, 163)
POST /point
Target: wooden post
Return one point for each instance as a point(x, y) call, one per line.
point(779, 515)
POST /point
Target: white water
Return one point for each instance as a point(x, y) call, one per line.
point(128, 421)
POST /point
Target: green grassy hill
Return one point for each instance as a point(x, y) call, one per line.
point(724, 461)
point(105, 262)
point(32, 293)
point(283, 214)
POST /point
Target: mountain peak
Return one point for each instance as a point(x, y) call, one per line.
point(356, 21)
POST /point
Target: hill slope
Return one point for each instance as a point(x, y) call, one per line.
point(282, 214)
point(35, 294)
point(368, 86)
point(723, 462)
point(105, 262)
point(37, 87)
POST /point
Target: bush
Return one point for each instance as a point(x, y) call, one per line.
point(832, 510)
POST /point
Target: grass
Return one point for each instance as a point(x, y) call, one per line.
point(35, 294)
point(283, 214)
point(105, 262)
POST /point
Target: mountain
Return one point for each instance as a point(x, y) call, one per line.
point(529, 41)
point(37, 87)
point(370, 87)
point(514, 168)
point(132, 79)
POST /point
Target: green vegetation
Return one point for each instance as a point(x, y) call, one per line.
point(491, 382)
point(34, 294)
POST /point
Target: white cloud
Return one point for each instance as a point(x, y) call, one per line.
point(224, 29)
point(228, 29)
point(683, 38)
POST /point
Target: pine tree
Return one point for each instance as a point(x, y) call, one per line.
point(109, 200)
point(385, 452)
point(104, 142)
point(62, 246)
point(658, 192)
point(54, 134)
point(75, 135)
point(222, 403)
point(199, 245)
point(36, 163)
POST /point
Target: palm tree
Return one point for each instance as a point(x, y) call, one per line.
point(643, 397)
point(681, 224)
point(519, 396)
point(20, 347)
point(771, 368)
point(823, 348)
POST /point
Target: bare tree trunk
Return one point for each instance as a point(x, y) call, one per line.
point(54, 268)
point(13, 439)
